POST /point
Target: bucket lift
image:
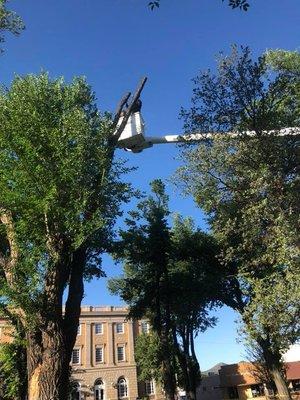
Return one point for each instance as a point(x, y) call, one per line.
point(133, 136)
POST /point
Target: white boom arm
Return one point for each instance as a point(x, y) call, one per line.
point(133, 136)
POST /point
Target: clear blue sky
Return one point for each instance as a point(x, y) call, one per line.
point(115, 42)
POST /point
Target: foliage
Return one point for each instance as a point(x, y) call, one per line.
point(241, 4)
point(274, 310)
point(147, 353)
point(12, 363)
point(53, 161)
point(249, 186)
point(60, 194)
point(144, 247)
point(172, 277)
point(9, 22)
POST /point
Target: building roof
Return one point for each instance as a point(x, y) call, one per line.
point(213, 370)
point(293, 370)
point(245, 373)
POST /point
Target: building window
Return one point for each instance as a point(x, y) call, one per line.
point(257, 390)
point(76, 356)
point(233, 392)
point(99, 390)
point(75, 391)
point(149, 387)
point(99, 354)
point(120, 327)
point(122, 388)
point(99, 329)
point(296, 385)
point(145, 327)
point(121, 353)
point(79, 329)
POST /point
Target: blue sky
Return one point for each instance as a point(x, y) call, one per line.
point(116, 42)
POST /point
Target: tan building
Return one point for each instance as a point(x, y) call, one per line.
point(103, 362)
point(241, 381)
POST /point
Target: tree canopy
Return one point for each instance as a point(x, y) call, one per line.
point(60, 193)
point(249, 186)
point(9, 22)
point(172, 277)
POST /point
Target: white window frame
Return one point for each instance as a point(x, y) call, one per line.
point(124, 384)
point(79, 355)
point(77, 393)
point(79, 330)
point(99, 386)
point(143, 325)
point(149, 385)
point(96, 325)
point(102, 354)
point(119, 324)
point(121, 346)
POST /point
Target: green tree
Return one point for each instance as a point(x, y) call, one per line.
point(172, 277)
point(60, 193)
point(248, 186)
point(145, 247)
point(195, 274)
point(13, 360)
point(13, 378)
point(9, 22)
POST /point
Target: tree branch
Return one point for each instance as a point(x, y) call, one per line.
point(120, 107)
point(75, 295)
point(115, 137)
point(9, 265)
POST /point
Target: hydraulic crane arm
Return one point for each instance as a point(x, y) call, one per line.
point(133, 136)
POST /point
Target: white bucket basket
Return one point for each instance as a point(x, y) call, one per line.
point(133, 133)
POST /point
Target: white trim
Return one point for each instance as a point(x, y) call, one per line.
point(102, 354)
point(126, 385)
point(95, 330)
point(118, 324)
point(150, 384)
point(121, 346)
point(145, 324)
point(79, 356)
point(99, 386)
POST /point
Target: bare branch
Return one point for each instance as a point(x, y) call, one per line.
point(120, 107)
point(117, 134)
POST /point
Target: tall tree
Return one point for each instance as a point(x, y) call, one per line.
point(60, 193)
point(9, 22)
point(171, 276)
point(249, 188)
point(145, 248)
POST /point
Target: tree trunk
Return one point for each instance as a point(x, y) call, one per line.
point(280, 383)
point(168, 373)
point(48, 366)
point(273, 363)
point(183, 364)
point(51, 340)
